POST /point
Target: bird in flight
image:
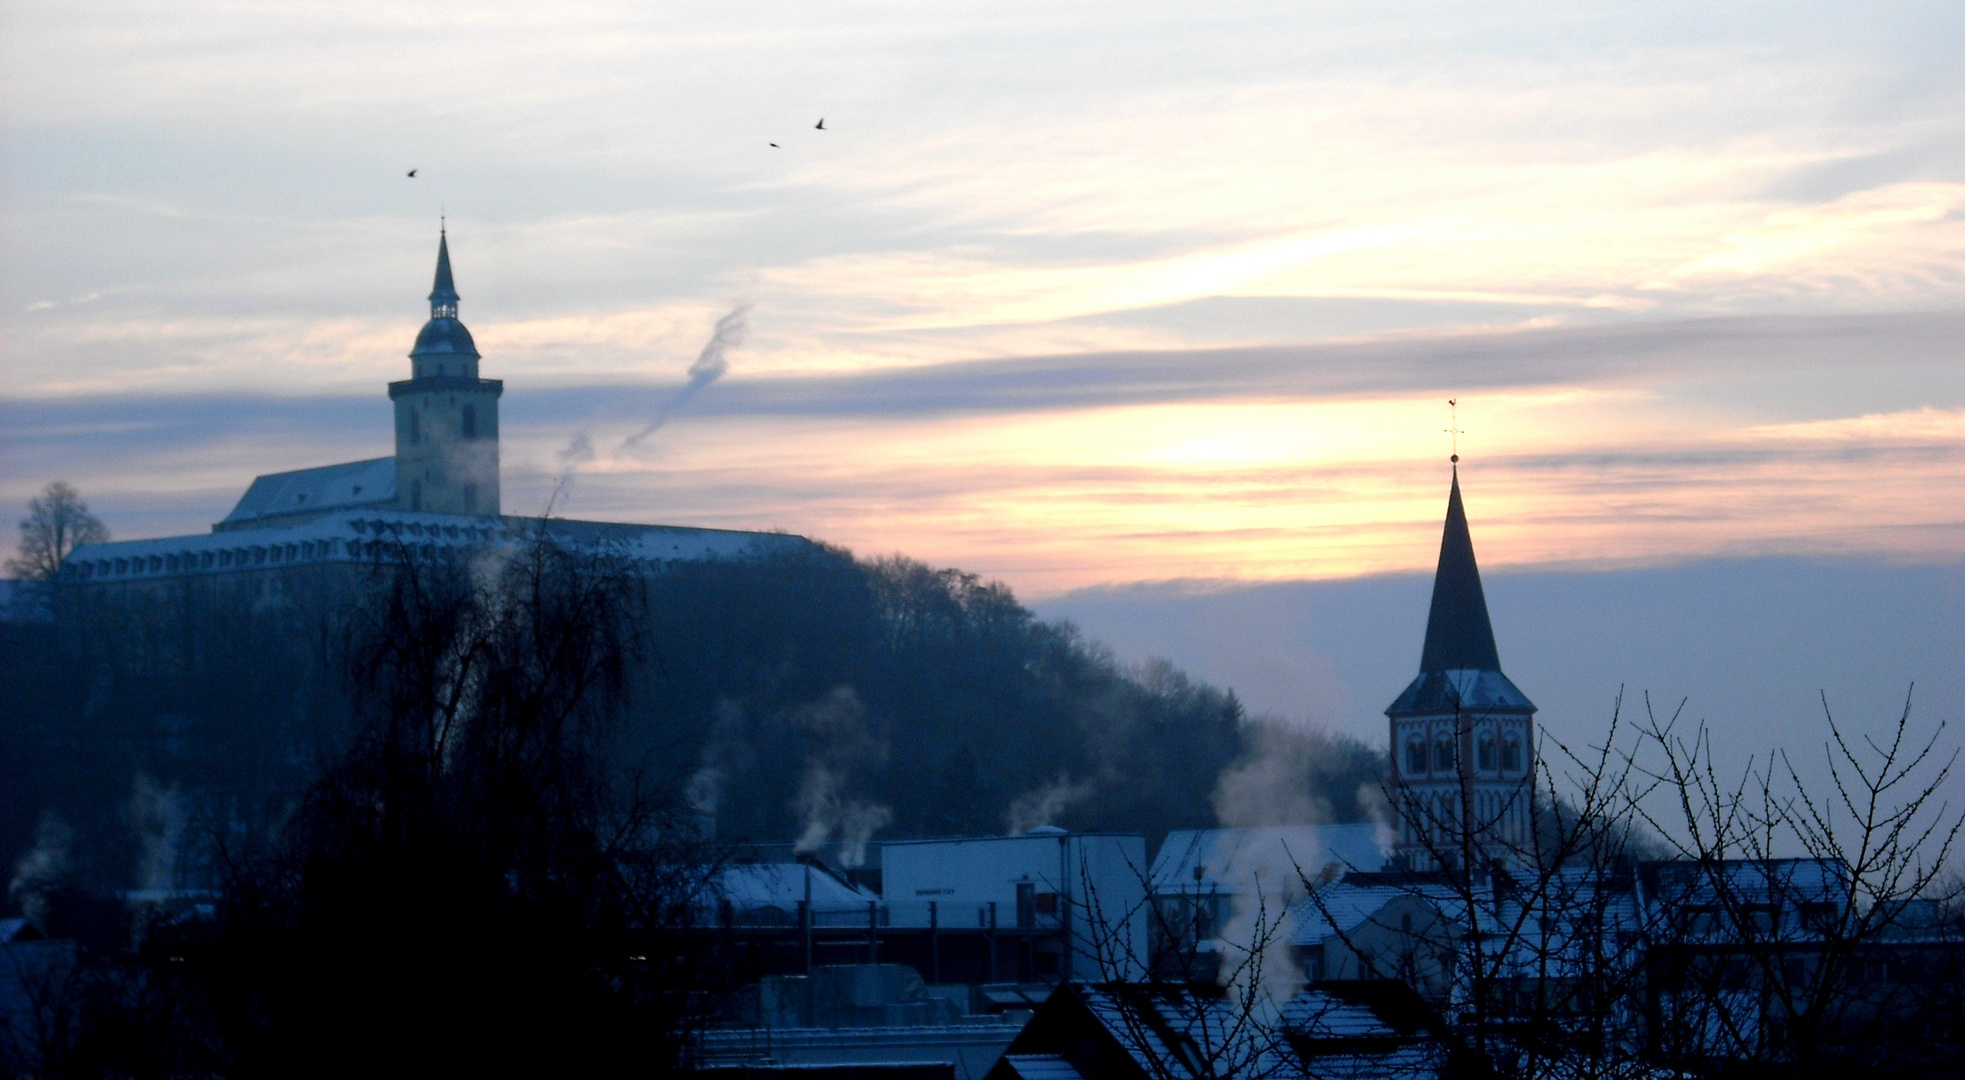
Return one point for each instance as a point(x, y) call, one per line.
point(774, 144)
point(821, 125)
point(412, 174)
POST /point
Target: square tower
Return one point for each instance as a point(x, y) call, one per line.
point(1462, 735)
point(446, 417)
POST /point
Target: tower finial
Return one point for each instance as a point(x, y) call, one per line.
point(443, 297)
point(1453, 429)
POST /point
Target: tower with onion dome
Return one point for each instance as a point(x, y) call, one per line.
point(446, 417)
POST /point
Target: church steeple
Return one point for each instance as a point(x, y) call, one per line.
point(1462, 733)
point(1459, 667)
point(1458, 633)
point(443, 297)
point(446, 417)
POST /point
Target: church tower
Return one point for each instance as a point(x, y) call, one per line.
point(446, 417)
point(1461, 732)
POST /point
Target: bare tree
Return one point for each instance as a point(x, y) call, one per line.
point(56, 523)
point(1659, 916)
point(475, 881)
point(1808, 932)
point(1183, 1013)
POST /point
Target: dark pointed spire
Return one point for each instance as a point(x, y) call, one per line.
point(1458, 634)
point(443, 298)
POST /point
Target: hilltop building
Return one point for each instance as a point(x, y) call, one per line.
point(440, 490)
point(1462, 734)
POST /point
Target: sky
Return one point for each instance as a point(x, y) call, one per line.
point(1073, 296)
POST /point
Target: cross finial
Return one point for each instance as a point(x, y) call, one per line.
point(1453, 427)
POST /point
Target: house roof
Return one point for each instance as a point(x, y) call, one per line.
point(783, 886)
point(325, 487)
point(1346, 906)
point(1041, 1067)
point(1232, 860)
point(1174, 1032)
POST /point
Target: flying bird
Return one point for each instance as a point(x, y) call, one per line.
point(412, 173)
point(821, 125)
point(774, 144)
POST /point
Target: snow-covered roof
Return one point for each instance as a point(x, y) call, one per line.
point(365, 534)
point(1460, 690)
point(1174, 1032)
point(749, 886)
point(1041, 1067)
point(1233, 860)
point(1345, 906)
point(326, 487)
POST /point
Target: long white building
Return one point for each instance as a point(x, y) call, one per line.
point(438, 491)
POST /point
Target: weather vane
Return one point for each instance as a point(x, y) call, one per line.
point(1453, 427)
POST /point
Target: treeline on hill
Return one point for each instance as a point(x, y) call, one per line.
point(809, 695)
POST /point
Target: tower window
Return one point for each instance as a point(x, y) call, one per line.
point(470, 421)
point(1486, 755)
point(1443, 753)
point(1511, 753)
point(470, 494)
point(416, 494)
point(415, 427)
point(1415, 756)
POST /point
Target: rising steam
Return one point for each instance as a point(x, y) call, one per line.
point(724, 754)
point(709, 367)
point(1041, 806)
point(42, 869)
point(843, 744)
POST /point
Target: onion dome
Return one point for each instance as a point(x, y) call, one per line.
point(443, 335)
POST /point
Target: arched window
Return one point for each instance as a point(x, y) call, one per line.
point(1511, 753)
point(1485, 756)
point(1443, 753)
point(1415, 756)
point(415, 427)
point(470, 421)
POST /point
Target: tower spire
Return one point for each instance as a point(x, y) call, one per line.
point(443, 297)
point(1458, 633)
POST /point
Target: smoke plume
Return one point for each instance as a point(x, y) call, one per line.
point(1269, 784)
point(43, 867)
point(1267, 788)
point(710, 365)
point(158, 818)
point(842, 745)
point(1042, 806)
point(724, 754)
point(578, 451)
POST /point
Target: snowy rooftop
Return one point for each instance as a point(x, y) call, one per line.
point(1231, 860)
point(327, 487)
point(366, 534)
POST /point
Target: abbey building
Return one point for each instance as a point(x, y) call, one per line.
point(439, 490)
